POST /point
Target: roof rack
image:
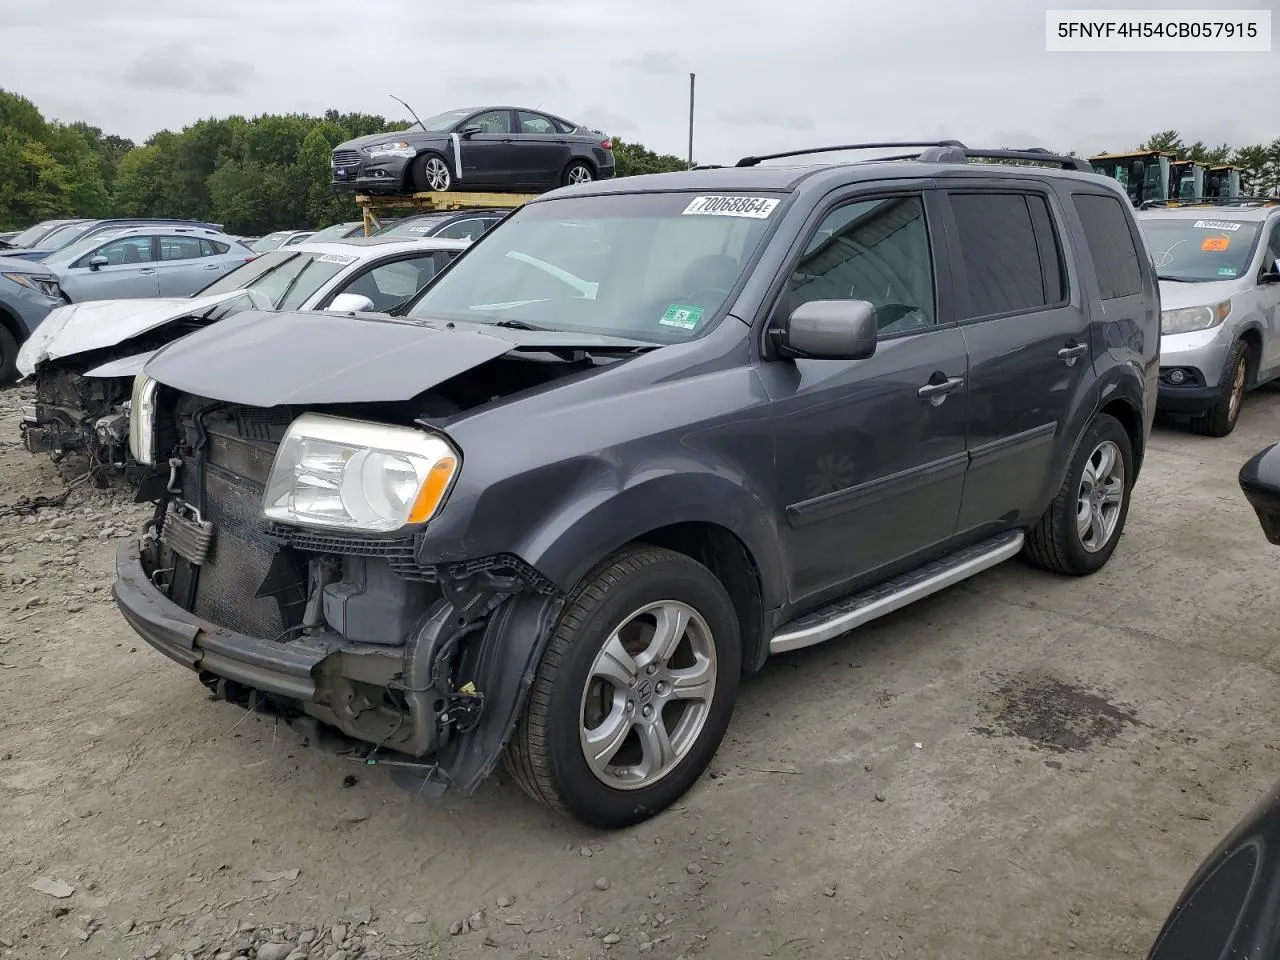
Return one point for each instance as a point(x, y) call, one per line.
point(752, 161)
point(937, 151)
point(1209, 202)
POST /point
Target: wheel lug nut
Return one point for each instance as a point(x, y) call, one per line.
point(652, 670)
point(648, 712)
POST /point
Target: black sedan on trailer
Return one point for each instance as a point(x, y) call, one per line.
point(478, 148)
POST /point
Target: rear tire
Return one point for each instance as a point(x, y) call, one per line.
point(578, 171)
point(1080, 530)
point(585, 702)
point(1220, 419)
point(430, 172)
point(8, 357)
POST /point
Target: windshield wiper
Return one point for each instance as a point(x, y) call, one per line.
point(1161, 276)
point(515, 325)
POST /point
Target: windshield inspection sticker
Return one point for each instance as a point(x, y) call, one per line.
point(341, 258)
point(1216, 244)
point(678, 315)
point(756, 208)
point(1216, 225)
point(1226, 271)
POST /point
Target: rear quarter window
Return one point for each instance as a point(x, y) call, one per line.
point(1112, 247)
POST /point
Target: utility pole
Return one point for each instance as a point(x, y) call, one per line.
point(691, 77)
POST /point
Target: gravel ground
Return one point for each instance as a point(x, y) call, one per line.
point(1023, 766)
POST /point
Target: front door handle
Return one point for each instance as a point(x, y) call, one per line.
point(212, 266)
point(939, 385)
point(146, 271)
point(1072, 351)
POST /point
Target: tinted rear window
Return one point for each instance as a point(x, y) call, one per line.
point(1000, 250)
point(1114, 253)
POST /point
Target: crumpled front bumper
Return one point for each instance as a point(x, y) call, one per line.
point(373, 174)
point(283, 669)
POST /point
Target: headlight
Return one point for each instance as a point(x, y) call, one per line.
point(354, 475)
point(394, 148)
point(1190, 319)
point(40, 284)
point(142, 420)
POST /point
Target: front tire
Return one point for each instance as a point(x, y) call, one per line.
point(1220, 419)
point(8, 357)
point(1080, 530)
point(634, 693)
point(430, 173)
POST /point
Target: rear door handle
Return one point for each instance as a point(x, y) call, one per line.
point(213, 266)
point(936, 390)
point(147, 271)
point(1071, 351)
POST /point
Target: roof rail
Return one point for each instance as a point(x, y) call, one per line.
point(1030, 154)
point(752, 161)
point(1208, 202)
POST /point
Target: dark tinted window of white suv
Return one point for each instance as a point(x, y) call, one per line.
point(1111, 246)
point(1000, 249)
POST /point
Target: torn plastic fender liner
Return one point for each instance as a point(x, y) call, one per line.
point(514, 639)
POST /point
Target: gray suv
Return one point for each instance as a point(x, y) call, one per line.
point(644, 434)
point(1219, 267)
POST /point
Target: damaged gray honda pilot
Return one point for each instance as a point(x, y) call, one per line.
point(643, 434)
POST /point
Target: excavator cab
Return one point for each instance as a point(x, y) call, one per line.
point(1145, 175)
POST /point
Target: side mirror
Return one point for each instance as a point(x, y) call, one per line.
point(1272, 275)
point(1259, 480)
point(351, 303)
point(98, 263)
point(472, 130)
point(829, 330)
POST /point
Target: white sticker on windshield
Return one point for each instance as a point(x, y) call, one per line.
point(757, 208)
point(1216, 225)
point(341, 258)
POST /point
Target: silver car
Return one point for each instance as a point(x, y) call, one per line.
point(1219, 269)
point(133, 262)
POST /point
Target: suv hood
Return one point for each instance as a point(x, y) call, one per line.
point(95, 324)
point(17, 260)
point(1175, 295)
point(313, 357)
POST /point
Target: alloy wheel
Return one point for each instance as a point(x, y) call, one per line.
point(1100, 497)
point(648, 695)
point(580, 174)
point(1237, 391)
point(437, 175)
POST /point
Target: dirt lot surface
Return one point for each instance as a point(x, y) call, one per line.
point(1023, 766)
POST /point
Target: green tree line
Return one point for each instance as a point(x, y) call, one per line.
point(271, 172)
point(251, 174)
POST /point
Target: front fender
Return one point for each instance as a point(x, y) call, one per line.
point(585, 529)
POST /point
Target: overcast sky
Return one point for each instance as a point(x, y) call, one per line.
point(770, 75)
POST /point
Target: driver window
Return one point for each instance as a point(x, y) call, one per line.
point(120, 252)
point(494, 121)
point(874, 250)
point(1273, 248)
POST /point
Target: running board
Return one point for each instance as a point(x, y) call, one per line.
point(844, 615)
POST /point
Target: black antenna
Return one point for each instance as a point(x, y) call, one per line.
point(410, 109)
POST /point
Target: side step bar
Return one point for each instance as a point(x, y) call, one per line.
point(844, 615)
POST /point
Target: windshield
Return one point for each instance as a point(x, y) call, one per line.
point(30, 235)
point(654, 266)
point(337, 232)
point(285, 277)
point(72, 251)
point(441, 121)
point(414, 226)
point(66, 235)
point(270, 241)
point(1199, 249)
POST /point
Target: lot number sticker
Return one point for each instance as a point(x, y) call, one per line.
point(678, 315)
point(1216, 225)
point(341, 258)
point(755, 208)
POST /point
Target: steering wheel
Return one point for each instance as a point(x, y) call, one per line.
point(890, 313)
